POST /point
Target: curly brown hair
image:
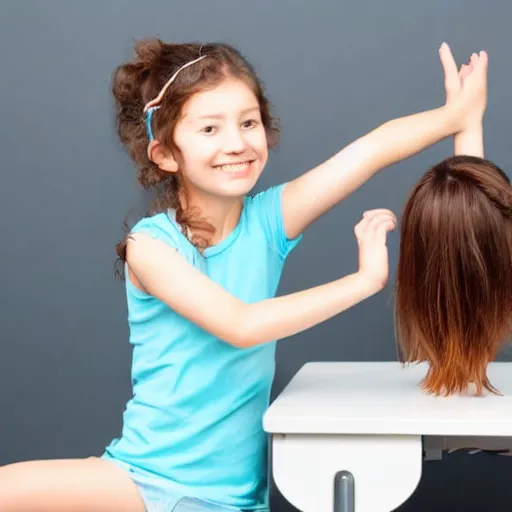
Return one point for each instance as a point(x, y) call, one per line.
point(136, 82)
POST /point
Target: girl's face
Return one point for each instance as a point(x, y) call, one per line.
point(221, 141)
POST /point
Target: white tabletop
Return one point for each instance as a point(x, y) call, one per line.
point(385, 398)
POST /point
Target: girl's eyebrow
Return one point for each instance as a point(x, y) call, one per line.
point(221, 116)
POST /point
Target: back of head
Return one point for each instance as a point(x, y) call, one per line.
point(454, 281)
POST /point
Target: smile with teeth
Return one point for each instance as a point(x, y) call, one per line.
point(238, 167)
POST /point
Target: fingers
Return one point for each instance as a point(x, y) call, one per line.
point(475, 70)
point(479, 61)
point(483, 60)
point(369, 214)
point(483, 64)
point(465, 71)
point(451, 74)
point(381, 231)
point(379, 225)
point(375, 211)
point(478, 64)
point(375, 224)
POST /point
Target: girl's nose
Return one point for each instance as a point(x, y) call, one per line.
point(234, 141)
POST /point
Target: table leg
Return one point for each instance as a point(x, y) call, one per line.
point(344, 492)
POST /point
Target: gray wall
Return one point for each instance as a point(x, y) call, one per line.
point(333, 69)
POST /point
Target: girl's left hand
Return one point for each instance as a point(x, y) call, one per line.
point(455, 82)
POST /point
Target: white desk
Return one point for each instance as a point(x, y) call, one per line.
point(373, 421)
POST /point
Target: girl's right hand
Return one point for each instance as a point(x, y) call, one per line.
point(466, 91)
point(371, 233)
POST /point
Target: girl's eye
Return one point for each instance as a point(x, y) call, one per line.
point(208, 130)
point(249, 123)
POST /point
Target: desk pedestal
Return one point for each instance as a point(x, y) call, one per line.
point(346, 473)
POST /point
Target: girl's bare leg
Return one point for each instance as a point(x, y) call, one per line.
point(74, 485)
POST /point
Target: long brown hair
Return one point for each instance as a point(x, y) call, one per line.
point(453, 299)
point(140, 80)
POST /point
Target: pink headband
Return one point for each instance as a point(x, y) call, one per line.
point(154, 102)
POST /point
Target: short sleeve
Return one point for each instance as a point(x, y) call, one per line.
point(159, 227)
point(163, 227)
point(266, 208)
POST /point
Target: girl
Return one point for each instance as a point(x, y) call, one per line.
point(202, 271)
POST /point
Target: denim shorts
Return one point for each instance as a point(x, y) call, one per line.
point(159, 495)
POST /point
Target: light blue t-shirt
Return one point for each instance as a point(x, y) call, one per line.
point(195, 417)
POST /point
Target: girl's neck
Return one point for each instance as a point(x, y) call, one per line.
point(223, 214)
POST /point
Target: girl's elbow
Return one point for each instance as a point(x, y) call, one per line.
point(243, 333)
point(245, 329)
point(242, 339)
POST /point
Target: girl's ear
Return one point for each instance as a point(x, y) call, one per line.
point(162, 157)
